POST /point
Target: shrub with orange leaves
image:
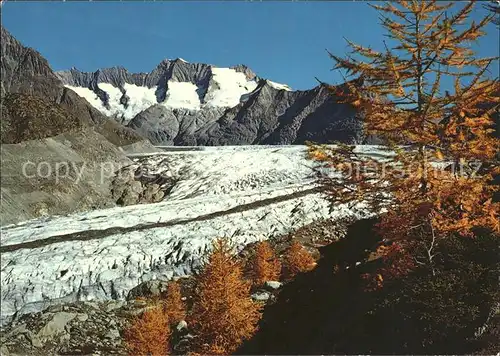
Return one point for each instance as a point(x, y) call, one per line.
point(264, 265)
point(298, 260)
point(173, 305)
point(223, 313)
point(149, 334)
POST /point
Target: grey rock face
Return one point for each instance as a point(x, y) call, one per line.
point(132, 186)
point(269, 116)
point(82, 328)
point(77, 173)
point(164, 126)
point(131, 194)
point(245, 70)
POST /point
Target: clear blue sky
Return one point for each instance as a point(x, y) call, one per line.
point(281, 41)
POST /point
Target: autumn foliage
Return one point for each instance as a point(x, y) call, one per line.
point(173, 305)
point(223, 314)
point(264, 265)
point(298, 260)
point(396, 263)
point(427, 97)
point(149, 334)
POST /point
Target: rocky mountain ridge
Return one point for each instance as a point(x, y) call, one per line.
point(181, 103)
point(26, 72)
point(46, 126)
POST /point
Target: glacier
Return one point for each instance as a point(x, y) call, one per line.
point(245, 193)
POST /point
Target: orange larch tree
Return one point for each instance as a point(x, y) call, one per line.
point(264, 265)
point(298, 260)
point(427, 96)
point(173, 305)
point(223, 313)
point(149, 334)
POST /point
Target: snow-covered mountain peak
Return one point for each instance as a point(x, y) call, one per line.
point(175, 84)
point(185, 103)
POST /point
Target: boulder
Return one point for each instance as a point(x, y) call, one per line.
point(148, 289)
point(152, 194)
point(273, 285)
point(131, 194)
point(56, 326)
point(182, 325)
point(261, 296)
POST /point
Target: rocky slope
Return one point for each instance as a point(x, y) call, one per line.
point(58, 152)
point(181, 103)
point(57, 175)
point(26, 72)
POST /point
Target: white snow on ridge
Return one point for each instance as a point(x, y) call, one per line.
point(182, 95)
point(140, 98)
point(231, 171)
point(210, 181)
point(228, 88)
point(91, 97)
point(279, 86)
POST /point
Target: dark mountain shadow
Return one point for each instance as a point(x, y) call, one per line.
point(328, 311)
point(315, 309)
